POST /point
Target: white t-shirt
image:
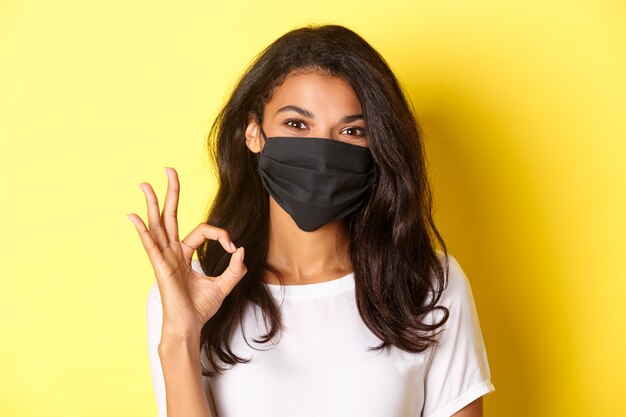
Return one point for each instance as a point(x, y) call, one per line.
point(321, 366)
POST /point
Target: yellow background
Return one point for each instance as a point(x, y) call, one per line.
point(523, 107)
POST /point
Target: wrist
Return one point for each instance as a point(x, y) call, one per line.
point(178, 352)
point(179, 342)
point(179, 335)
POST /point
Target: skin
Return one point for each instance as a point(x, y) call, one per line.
point(321, 255)
point(473, 409)
point(189, 299)
point(310, 257)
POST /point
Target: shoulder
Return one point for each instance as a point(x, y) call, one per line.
point(458, 369)
point(457, 287)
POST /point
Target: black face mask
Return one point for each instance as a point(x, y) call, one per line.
point(316, 180)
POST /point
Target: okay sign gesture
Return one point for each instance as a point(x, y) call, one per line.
point(189, 298)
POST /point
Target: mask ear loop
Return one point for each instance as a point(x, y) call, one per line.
point(260, 120)
point(258, 155)
point(262, 132)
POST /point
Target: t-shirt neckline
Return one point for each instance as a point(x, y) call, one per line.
point(334, 286)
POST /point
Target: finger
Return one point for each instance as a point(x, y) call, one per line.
point(151, 248)
point(206, 231)
point(154, 217)
point(234, 272)
point(170, 207)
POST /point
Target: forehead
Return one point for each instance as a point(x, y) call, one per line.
point(314, 90)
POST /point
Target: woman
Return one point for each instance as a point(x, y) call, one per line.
point(343, 306)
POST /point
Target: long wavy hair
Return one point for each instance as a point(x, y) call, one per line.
point(395, 263)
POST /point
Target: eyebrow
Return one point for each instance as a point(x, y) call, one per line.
point(308, 114)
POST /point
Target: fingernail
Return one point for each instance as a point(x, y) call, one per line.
point(232, 246)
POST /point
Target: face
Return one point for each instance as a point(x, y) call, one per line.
point(310, 104)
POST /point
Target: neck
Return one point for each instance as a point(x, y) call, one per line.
point(305, 257)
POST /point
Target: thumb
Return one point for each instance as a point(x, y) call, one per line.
point(234, 272)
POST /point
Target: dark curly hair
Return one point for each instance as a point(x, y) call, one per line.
point(392, 234)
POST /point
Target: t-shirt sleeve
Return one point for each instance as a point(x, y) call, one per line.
point(458, 370)
point(154, 315)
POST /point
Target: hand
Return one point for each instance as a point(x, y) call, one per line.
point(189, 299)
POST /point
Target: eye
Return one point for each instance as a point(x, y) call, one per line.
point(354, 131)
point(295, 123)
